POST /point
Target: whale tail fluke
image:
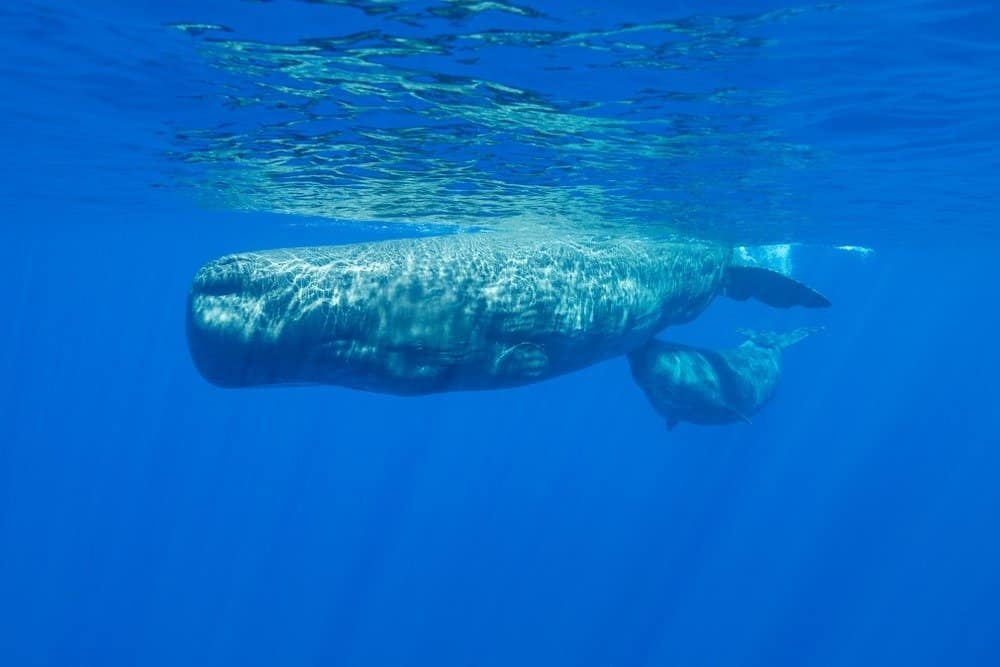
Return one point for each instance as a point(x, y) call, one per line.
point(770, 287)
point(778, 340)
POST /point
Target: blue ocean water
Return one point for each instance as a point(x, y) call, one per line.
point(149, 518)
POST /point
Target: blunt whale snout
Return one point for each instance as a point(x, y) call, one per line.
point(227, 325)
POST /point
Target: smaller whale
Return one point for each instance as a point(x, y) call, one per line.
point(705, 386)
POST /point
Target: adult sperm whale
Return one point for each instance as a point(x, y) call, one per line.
point(465, 311)
point(705, 386)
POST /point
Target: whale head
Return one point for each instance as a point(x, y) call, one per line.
point(311, 316)
point(249, 322)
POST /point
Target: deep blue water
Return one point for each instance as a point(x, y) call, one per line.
point(149, 518)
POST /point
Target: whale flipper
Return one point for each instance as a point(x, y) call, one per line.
point(739, 416)
point(778, 340)
point(770, 287)
point(521, 360)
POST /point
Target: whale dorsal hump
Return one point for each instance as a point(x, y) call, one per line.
point(770, 287)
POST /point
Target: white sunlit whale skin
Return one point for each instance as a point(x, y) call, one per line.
point(458, 312)
point(705, 386)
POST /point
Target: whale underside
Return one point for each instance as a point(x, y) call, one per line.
point(458, 312)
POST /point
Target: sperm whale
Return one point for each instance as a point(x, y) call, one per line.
point(457, 312)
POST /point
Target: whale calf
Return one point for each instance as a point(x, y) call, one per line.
point(457, 312)
point(705, 386)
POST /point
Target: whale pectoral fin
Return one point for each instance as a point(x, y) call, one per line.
point(770, 287)
point(777, 340)
point(739, 416)
point(524, 360)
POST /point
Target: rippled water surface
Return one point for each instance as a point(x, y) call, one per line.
point(853, 122)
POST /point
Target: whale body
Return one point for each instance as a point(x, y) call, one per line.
point(705, 386)
point(458, 312)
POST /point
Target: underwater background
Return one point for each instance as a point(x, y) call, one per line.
point(149, 518)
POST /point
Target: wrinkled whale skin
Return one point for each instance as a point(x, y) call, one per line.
point(458, 312)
